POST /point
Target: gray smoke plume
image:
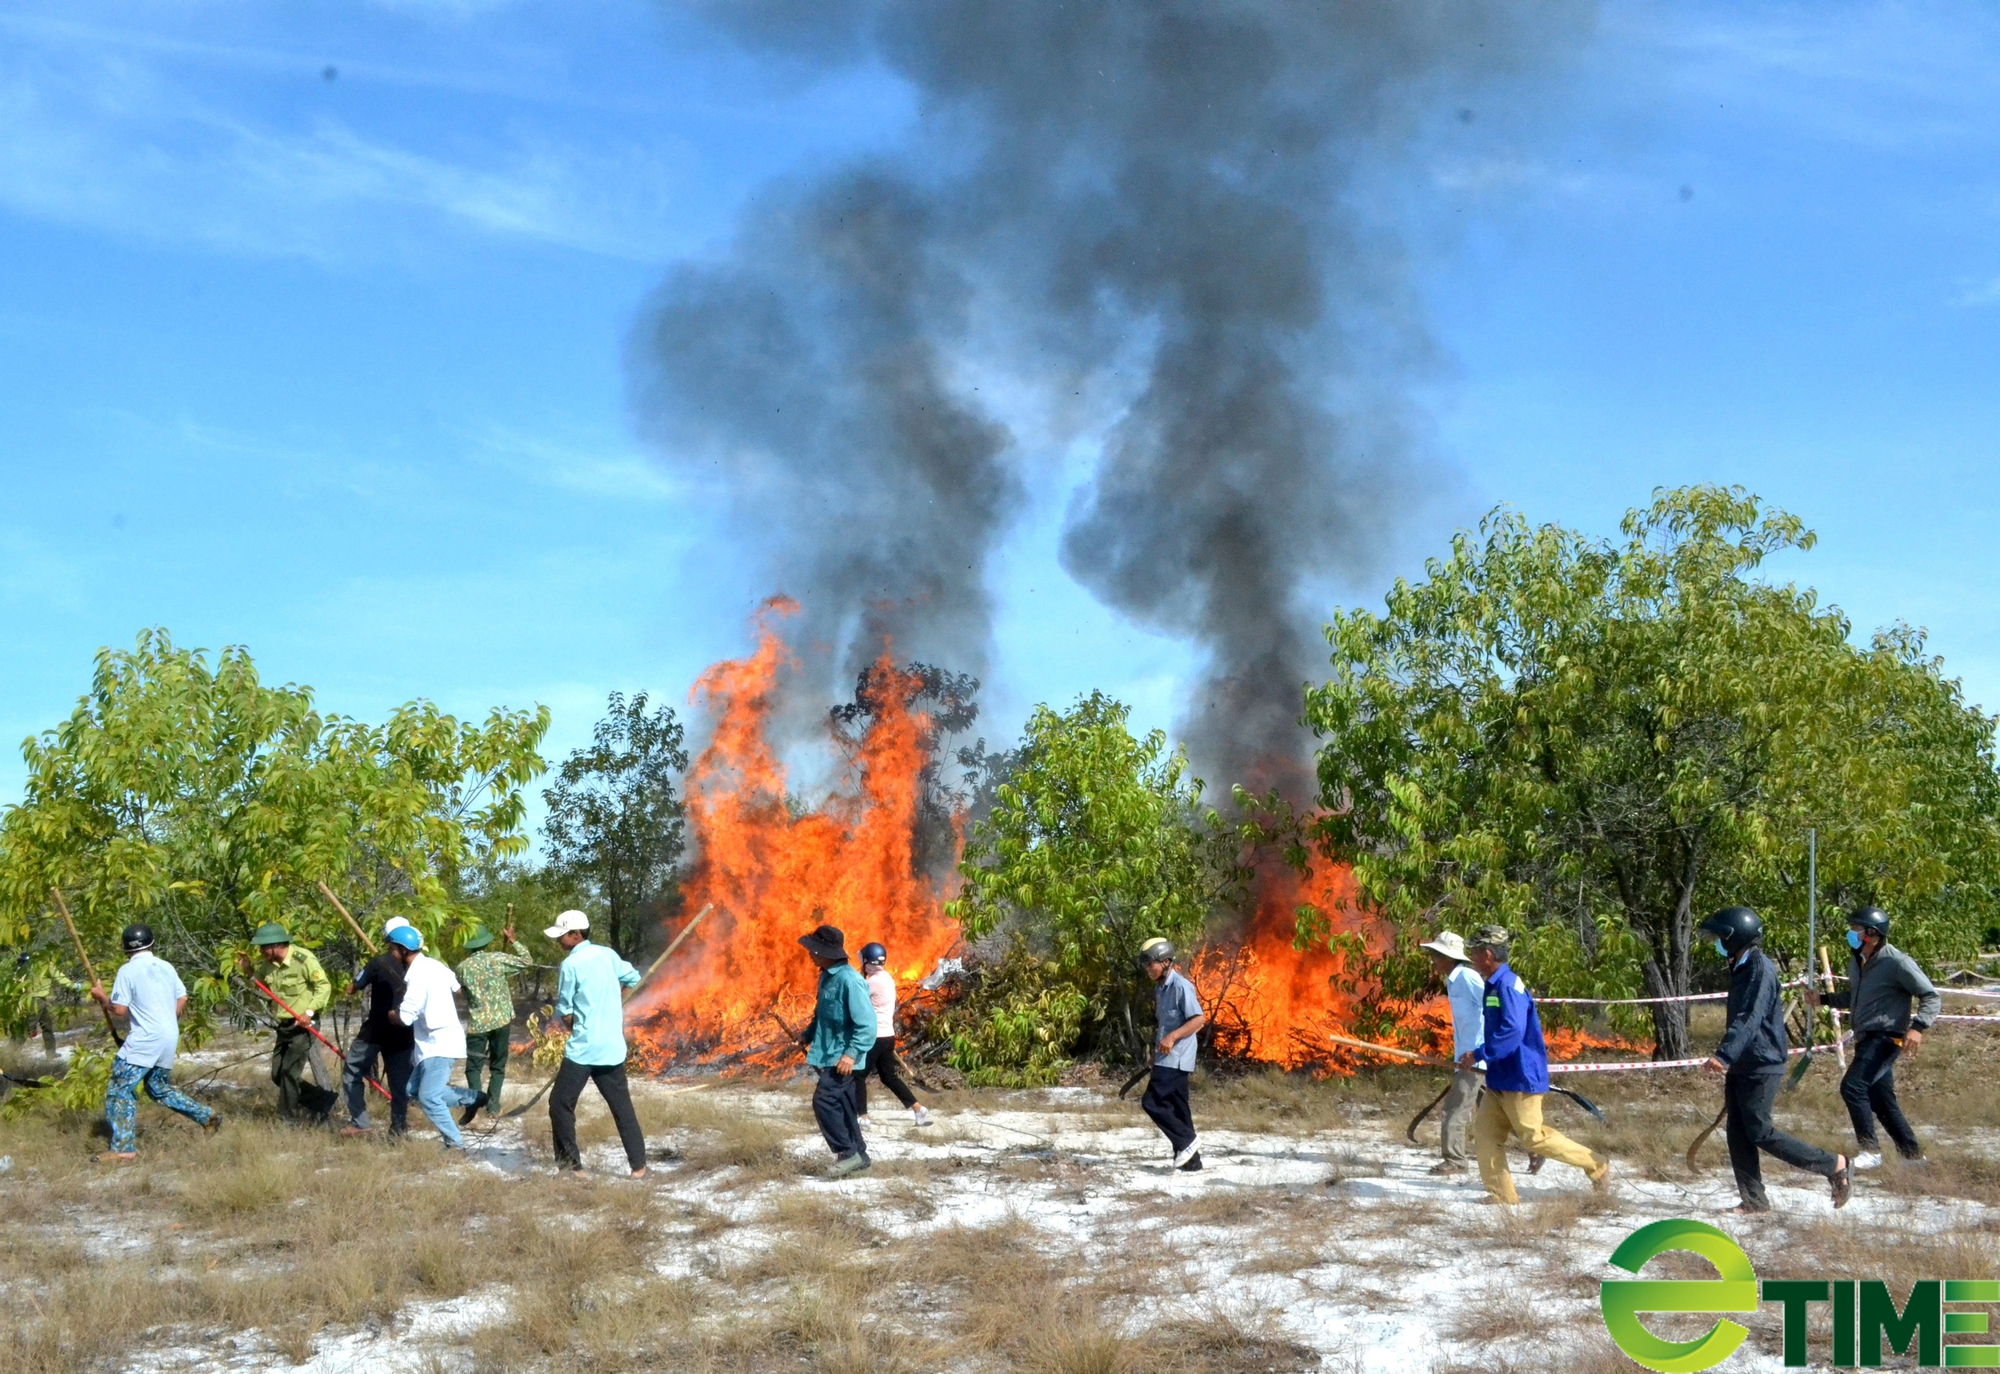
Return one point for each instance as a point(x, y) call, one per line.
point(1171, 180)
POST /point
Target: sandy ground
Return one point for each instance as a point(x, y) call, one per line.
point(1343, 1238)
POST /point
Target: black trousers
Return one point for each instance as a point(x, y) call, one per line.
point(1748, 1098)
point(1869, 1090)
point(298, 1098)
point(611, 1086)
point(834, 1108)
point(1166, 1101)
point(881, 1062)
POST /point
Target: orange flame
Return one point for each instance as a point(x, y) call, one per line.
point(773, 875)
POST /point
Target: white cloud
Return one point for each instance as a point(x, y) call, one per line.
point(611, 472)
point(115, 137)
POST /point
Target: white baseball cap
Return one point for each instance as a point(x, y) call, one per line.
point(569, 923)
point(393, 923)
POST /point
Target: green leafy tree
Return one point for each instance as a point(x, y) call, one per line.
point(1596, 742)
point(1093, 845)
point(616, 826)
point(186, 793)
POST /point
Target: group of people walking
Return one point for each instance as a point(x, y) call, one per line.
point(412, 1034)
point(1501, 1072)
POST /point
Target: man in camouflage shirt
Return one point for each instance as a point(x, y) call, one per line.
point(490, 1022)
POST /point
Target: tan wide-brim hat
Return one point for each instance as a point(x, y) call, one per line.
point(1448, 944)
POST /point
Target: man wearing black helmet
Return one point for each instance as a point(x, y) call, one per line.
point(1752, 1056)
point(149, 994)
point(1881, 980)
point(1178, 1016)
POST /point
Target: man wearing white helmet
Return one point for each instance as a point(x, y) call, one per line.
point(1179, 1017)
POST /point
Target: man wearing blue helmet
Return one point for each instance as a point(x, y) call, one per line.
point(382, 1037)
point(428, 1010)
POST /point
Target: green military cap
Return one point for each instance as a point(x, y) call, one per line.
point(480, 938)
point(271, 933)
point(1490, 937)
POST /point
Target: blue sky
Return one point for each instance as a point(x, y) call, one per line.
point(312, 321)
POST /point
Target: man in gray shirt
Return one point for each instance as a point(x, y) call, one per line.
point(1881, 980)
point(149, 994)
point(1178, 1013)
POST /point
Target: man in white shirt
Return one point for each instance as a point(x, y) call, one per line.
point(429, 1012)
point(150, 995)
point(1466, 992)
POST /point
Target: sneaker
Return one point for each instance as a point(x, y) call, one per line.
point(863, 1119)
point(1750, 1208)
point(1842, 1181)
point(853, 1164)
point(117, 1157)
point(1867, 1159)
point(214, 1122)
point(922, 1114)
point(1193, 1149)
point(472, 1110)
point(1448, 1166)
point(1193, 1164)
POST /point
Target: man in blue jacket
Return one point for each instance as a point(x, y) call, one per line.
point(838, 1037)
point(1752, 1053)
point(1517, 1076)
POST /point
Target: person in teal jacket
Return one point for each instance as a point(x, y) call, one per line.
point(838, 1037)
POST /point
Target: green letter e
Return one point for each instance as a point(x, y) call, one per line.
point(1623, 1299)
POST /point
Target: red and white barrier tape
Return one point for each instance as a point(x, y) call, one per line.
point(1975, 1020)
point(1646, 1001)
point(1640, 1065)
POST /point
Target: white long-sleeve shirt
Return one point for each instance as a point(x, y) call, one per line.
point(428, 1010)
point(882, 992)
point(1466, 992)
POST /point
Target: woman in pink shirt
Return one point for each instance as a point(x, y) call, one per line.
point(882, 1059)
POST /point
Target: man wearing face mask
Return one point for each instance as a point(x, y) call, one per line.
point(1881, 980)
point(1752, 1055)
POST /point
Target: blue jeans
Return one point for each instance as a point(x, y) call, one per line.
point(396, 1066)
point(437, 1097)
point(121, 1101)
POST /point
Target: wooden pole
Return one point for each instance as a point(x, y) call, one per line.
point(1840, 1050)
point(1389, 1049)
point(666, 953)
point(352, 924)
point(88, 971)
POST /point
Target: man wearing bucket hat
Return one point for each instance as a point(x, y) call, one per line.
point(489, 1024)
point(295, 978)
point(1517, 1076)
point(589, 1004)
point(838, 1037)
point(1464, 990)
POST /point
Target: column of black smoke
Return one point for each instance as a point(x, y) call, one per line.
point(1086, 174)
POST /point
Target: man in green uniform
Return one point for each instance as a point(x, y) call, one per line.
point(490, 1023)
point(294, 977)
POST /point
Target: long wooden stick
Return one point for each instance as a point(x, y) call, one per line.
point(1390, 1049)
point(672, 945)
point(1840, 1050)
point(352, 924)
point(88, 971)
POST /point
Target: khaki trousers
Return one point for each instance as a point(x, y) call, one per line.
point(1519, 1115)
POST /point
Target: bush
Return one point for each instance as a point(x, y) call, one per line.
point(1018, 1025)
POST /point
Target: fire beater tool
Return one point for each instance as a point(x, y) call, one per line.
point(1435, 1062)
point(1418, 1120)
point(313, 1031)
point(672, 945)
point(1135, 1080)
point(352, 924)
point(88, 971)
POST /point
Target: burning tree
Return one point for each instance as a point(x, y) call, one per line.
point(1596, 743)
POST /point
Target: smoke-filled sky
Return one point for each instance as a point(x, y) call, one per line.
point(437, 348)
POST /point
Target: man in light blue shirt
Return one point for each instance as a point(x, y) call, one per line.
point(590, 1001)
point(149, 994)
point(1466, 992)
